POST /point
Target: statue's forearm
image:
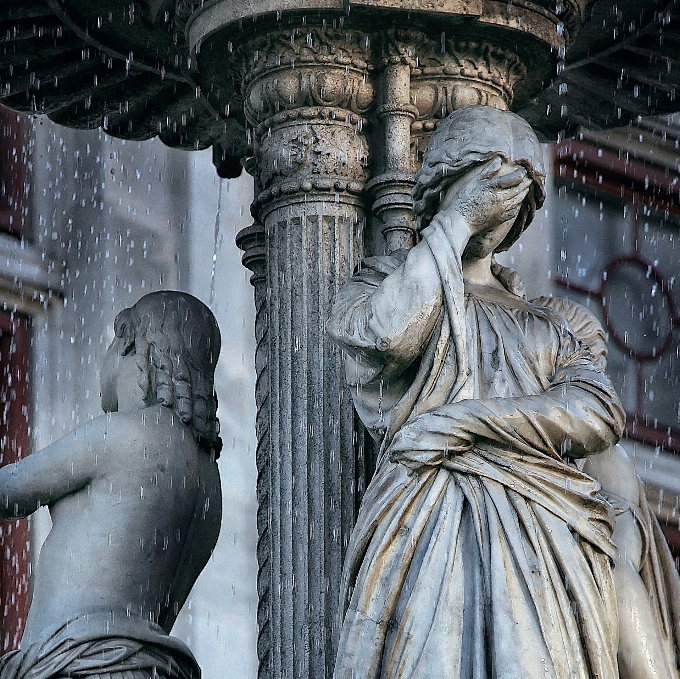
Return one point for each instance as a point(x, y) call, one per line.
point(385, 327)
point(49, 474)
point(575, 418)
point(579, 415)
point(16, 501)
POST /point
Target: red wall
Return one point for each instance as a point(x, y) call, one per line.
point(14, 404)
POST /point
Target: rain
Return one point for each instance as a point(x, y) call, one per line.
point(152, 197)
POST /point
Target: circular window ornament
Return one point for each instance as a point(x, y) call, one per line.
point(638, 309)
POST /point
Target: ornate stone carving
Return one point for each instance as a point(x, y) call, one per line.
point(480, 548)
point(282, 72)
point(309, 150)
point(307, 96)
point(252, 241)
point(306, 92)
point(475, 73)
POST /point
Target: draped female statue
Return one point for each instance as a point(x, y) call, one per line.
point(481, 549)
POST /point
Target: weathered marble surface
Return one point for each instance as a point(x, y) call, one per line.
point(135, 500)
point(645, 575)
point(481, 548)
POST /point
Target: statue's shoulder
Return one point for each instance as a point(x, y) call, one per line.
point(576, 315)
point(154, 427)
point(373, 270)
point(582, 322)
point(368, 275)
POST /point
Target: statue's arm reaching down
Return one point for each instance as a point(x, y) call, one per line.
point(62, 468)
point(579, 414)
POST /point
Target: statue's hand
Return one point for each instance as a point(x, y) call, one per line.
point(487, 196)
point(431, 438)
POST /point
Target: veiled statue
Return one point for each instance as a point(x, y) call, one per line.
point(482, 548)
point(135, 501)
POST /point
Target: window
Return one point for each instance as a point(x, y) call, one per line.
point(618, 238)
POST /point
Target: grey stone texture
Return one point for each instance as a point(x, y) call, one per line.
point(330, 107)
point(135, 500)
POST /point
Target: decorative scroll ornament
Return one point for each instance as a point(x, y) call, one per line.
point(307, 67)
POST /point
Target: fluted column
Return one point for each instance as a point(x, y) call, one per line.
point(306, 95)
point(421, 81)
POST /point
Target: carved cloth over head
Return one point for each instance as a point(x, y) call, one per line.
point(469, 137)
point(96, 644)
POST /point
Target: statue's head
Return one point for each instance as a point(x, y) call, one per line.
point(468, 138)
point(175, 342)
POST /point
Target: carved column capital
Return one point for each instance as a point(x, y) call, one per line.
point(306, 66)
point(450, 74)
point(465, 73)
point(307, 91)
point(398, 46)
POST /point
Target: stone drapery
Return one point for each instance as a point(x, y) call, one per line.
point(479, 550)
point(98, 644)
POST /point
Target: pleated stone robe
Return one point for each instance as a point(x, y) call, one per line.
point(480, 549)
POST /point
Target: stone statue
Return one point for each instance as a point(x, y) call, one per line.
point(481, 549)
point(646, 580)
point(135, 500)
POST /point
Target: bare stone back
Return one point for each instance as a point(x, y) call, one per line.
point(104, 551)
point(134, 494)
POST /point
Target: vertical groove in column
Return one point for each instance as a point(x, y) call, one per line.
point(272, 254)
point(331, 245)
point(312, 478)
point(302, 373)
point(316, 494)
point(286, 419)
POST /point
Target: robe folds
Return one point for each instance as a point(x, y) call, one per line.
point(102, 645)
point(480, 549)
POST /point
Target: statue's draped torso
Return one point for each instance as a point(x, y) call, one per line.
point(480, 549)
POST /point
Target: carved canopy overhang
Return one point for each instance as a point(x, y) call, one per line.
point(169, 68)
point(623, 67)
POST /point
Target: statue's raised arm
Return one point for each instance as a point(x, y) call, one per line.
point(385, 317)
point(480, 550)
